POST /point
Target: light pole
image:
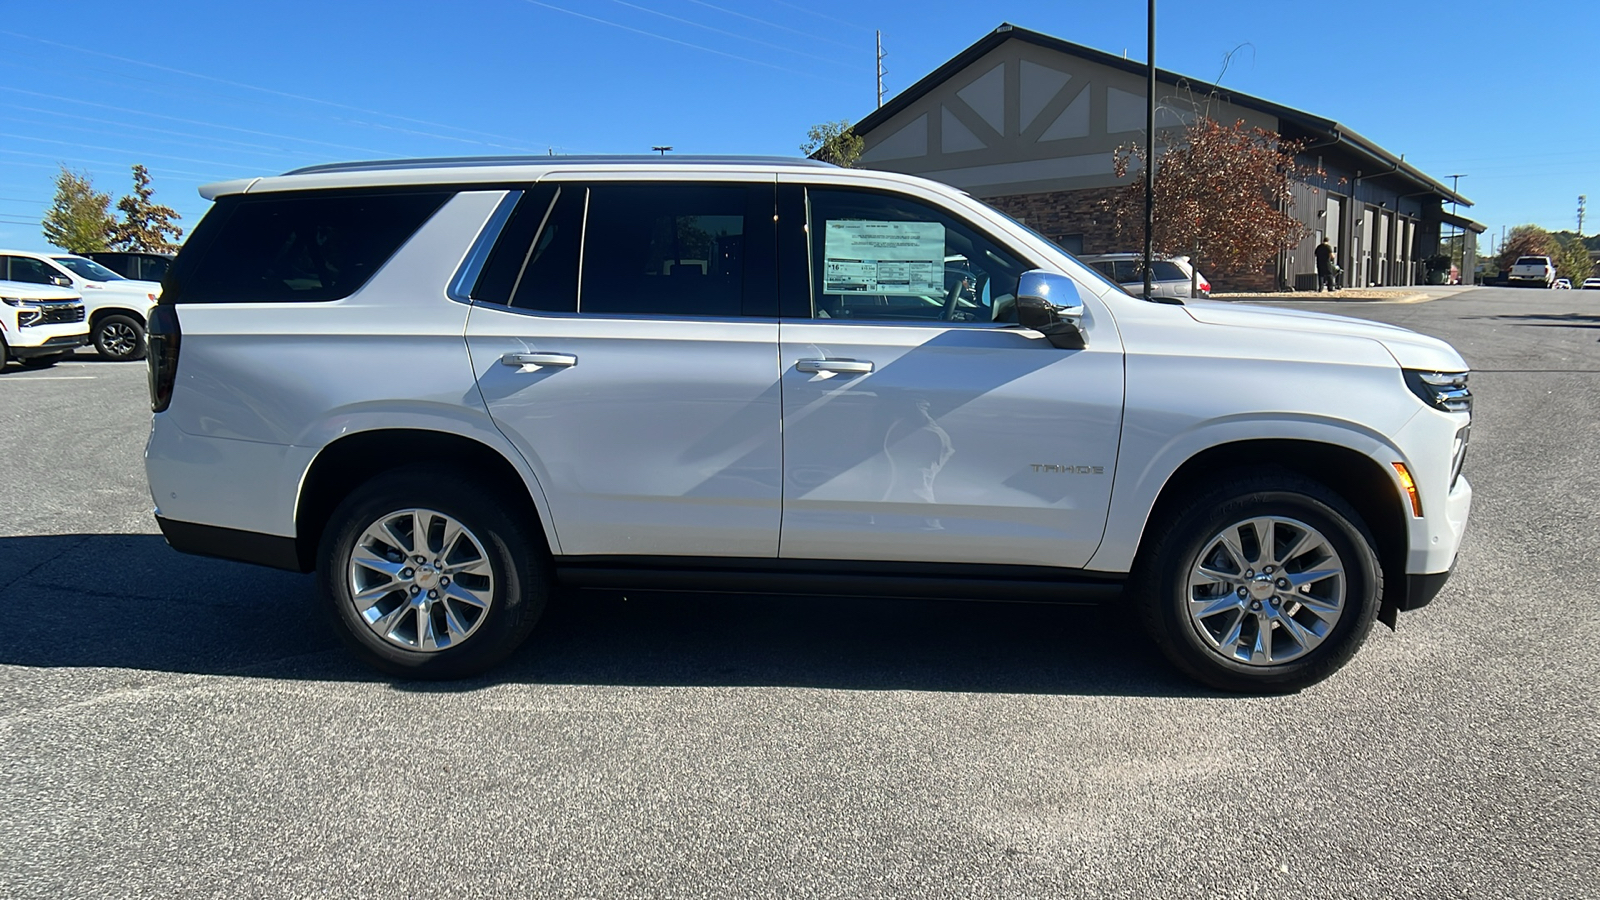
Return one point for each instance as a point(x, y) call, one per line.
point(1150, 155)
point(1461, 233)
point(661, 149)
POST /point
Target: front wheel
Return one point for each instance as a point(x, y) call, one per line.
point(1262, 584)
point(428, 576)
point(119, 338)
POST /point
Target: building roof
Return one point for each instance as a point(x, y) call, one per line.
point(1321, 131)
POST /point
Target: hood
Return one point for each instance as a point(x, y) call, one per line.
point(27, 291)
point(126, 287)
point(1410, 349)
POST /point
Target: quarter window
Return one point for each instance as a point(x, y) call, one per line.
point(878, 256)
point(322, 246)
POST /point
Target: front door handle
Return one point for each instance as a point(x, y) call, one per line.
point(553, 360)
point(837, 366)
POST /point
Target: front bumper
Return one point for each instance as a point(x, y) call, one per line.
point(50, 346)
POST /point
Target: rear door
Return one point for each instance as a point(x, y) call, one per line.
point(624, 337)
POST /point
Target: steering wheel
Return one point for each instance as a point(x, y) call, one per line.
point(950, 298)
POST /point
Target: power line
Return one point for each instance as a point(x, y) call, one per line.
point(735, 36)
point(807, 34)
point(188, 121)
point(813, 12)
point(252, 87)
point(670, 40)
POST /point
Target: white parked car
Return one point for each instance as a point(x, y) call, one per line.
point(1563, 284)
point(449, 385)
point(118, 307)
point(1591, 284)
point(39, 324)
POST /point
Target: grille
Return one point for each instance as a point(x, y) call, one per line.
point(59, 313)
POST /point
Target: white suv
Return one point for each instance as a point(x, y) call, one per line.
point(39, 325)
point(450, 385)
point(117, 307)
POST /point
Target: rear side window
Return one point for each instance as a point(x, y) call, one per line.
point(534, 264)
point(666, 249)
point(306, 247)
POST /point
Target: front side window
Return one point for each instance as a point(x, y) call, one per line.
point(881, 257)
point(29, 270)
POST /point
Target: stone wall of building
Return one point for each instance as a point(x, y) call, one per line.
point(1081, 222)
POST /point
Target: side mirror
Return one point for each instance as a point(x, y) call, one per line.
point(1049, 304)
point(60, 281)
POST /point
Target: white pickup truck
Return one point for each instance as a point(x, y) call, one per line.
point(1532, 271)
point(39, 324)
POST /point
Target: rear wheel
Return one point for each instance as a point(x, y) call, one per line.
point(119, 338)
point(428, 576)
point(1262, 584)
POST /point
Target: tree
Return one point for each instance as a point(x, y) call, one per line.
point(1573, 261)
point(145, 225)
point(833, 142)
point(1527, 240)
point(77, 220)
point(1223, 194)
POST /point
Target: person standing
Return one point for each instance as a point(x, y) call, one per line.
point(1324, 266)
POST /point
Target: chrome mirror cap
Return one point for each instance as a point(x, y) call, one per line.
point(1054, 289)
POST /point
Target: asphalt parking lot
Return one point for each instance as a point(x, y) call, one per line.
point(175, 726)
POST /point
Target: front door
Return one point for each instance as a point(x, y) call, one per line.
point(919, 424)
point(618, 339)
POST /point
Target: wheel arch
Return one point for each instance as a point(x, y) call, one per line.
point(102, 312)
point(350, 461)
point(1366, 484)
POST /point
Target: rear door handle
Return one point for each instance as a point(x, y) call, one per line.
point(553, 360)
point(837, 366)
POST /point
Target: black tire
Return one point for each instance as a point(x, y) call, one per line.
point(515, 555)
point(41, 362)
point(119, 338)
point(5, 354)
point(1161, 583)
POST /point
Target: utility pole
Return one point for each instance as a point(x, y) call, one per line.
point(1582, 199)
point(881, 70)
point(1150, 157)
point(661, 149)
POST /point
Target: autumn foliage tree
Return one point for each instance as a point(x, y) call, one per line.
point(833, 142)
point(1223, 195)
point(1527, 240)
point(145, 224)
point(77, 220)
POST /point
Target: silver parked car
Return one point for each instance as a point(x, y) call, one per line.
point(1172, 275)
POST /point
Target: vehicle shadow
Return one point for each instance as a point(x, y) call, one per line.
point(129, 601)
point(1548, 320)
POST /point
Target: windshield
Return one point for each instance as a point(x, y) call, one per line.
point(1088, 271)
point(87, 268)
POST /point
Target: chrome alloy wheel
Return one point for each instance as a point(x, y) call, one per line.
point(120, 339)
point(420, 580)
point(1266, 590)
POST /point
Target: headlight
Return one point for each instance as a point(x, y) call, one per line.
point(15, 301)
point(1441, 390)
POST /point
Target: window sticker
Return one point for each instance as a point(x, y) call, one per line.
point(869, 257)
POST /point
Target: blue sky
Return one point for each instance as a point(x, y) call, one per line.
point(207, 91)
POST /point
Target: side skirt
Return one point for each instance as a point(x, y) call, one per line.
point(839, 578)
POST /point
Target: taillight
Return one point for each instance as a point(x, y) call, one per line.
point(162, 355)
